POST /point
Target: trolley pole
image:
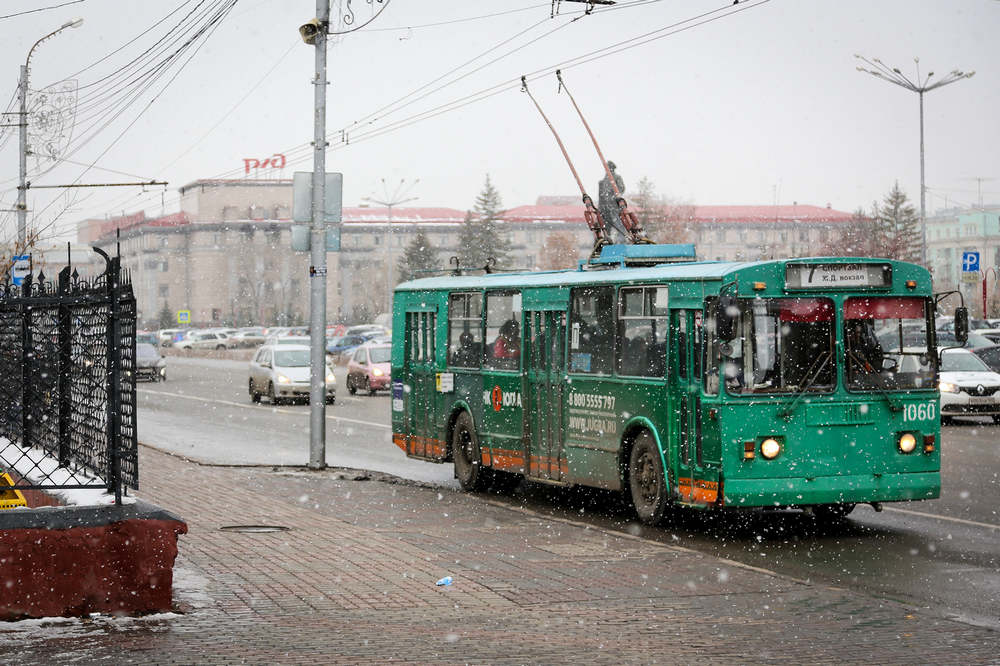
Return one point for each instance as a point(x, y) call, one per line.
point(317, 268)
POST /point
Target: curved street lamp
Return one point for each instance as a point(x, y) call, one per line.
point(22, 188)
point(880, 70)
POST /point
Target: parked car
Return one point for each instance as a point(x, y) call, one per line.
point(990, 356)
point(968, 386)
point(282, 372)
point(287, 340)
point(149, 364)
point(342, 347)
point(166, 336)
point(369, 368)
point(147, 337)
point(361, 329)
point(247, 338)
point(991, 334)
point(203, 340)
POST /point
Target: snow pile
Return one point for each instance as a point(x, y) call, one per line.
point(40, 468)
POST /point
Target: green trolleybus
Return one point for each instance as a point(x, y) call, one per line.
point(796, 383)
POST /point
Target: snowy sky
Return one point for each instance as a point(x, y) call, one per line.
point(758, 106)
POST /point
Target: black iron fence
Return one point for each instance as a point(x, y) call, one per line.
point(67, 381)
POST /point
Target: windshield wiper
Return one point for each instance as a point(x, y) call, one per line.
point(879, 385)
point(810, 380)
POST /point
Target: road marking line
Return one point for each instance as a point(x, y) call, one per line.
point(933, 515)
point(257, 407)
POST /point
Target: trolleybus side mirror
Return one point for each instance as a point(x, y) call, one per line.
point(962, 325)
point(726, 317)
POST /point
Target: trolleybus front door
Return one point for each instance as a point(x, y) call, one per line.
point(685, 420)
point(545, 340)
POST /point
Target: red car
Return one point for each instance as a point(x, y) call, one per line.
point(368, 370)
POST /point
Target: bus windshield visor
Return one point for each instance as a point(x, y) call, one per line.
point(886, 344)
point(781, 345)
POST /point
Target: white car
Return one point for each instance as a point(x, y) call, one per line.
point(282, 372)
point(968, 386)
point(203, 340)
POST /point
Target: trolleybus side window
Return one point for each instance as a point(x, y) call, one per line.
point(420, 336)
point(781, 345)
point(711, 350)
point(503, 330)
point(887, 343)
point(642, 331)
point(592, 330)
point(465, 330)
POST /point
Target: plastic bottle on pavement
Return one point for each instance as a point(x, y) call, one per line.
point(444, 581)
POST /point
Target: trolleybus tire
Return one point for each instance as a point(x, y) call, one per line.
point(831, 513)
point(646, 481)
point(469, 470)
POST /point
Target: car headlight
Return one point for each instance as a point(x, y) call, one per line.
point(330, 379)
point(770, 448)
point(907, 442)
point(283, 379)
point(948, 387)
point(378, 372)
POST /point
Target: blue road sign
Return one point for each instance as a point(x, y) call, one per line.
point(22, 266)
point(970, 262)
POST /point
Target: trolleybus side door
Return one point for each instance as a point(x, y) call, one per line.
point(420, 401)
point(544, 381)
point(502, 426)
point(694, 481)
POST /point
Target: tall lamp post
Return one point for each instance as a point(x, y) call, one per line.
point(388, 201)
point(882, 71)
point(22, 188)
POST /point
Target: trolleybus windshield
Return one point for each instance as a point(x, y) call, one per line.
point(887, 344)
point(781, 345)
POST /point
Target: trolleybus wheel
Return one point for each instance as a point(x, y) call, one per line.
point(469, 471)
point(831, 513)
point(646, 480)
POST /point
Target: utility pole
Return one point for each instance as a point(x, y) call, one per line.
point(317, 268)
point(893, 75)
point(22, 187)
point(398, 197)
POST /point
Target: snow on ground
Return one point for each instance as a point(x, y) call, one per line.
point(40, 468)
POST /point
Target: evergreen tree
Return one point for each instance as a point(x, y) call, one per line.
point(480, 236)
point(900, 226)
point(419, 256)
point(860, 237)
point(166, 316)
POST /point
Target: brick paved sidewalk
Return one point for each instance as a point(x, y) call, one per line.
point(352, 581)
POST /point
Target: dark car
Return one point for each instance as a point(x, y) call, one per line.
point(990, 356)
point(341, 348)
point(149, 363)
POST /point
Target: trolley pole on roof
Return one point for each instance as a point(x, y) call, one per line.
point(317, 264)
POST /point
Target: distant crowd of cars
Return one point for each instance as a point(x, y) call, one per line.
point(279, 369)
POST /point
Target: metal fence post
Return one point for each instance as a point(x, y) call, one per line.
point(27, 356)
point(114, 379)
point(65, 361)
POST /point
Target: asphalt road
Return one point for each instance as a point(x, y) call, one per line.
point(943, 555)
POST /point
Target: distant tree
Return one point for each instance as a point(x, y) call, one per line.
point(418, 256)
point(890, 230)
point(559, 251)
point(165, 318)
point(900, 226)
point(480, 236)
point(664, 220)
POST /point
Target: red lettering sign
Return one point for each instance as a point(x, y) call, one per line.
point(276, 161)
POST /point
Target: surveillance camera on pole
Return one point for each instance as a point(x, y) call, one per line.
point(309, 31)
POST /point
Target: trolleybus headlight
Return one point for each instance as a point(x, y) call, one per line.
point(770, 448)
point(948, 387)
point(907, 442)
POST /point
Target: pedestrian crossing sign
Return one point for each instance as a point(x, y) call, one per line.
point(183, 316)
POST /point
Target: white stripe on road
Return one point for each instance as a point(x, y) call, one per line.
point(937, 517)
point(257, 407)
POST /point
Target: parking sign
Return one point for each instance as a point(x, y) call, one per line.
point(970, 262)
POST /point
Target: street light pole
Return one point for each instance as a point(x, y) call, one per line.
point(22, 188)
point(317, 268)
point(388, 201)
point(882, 71)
